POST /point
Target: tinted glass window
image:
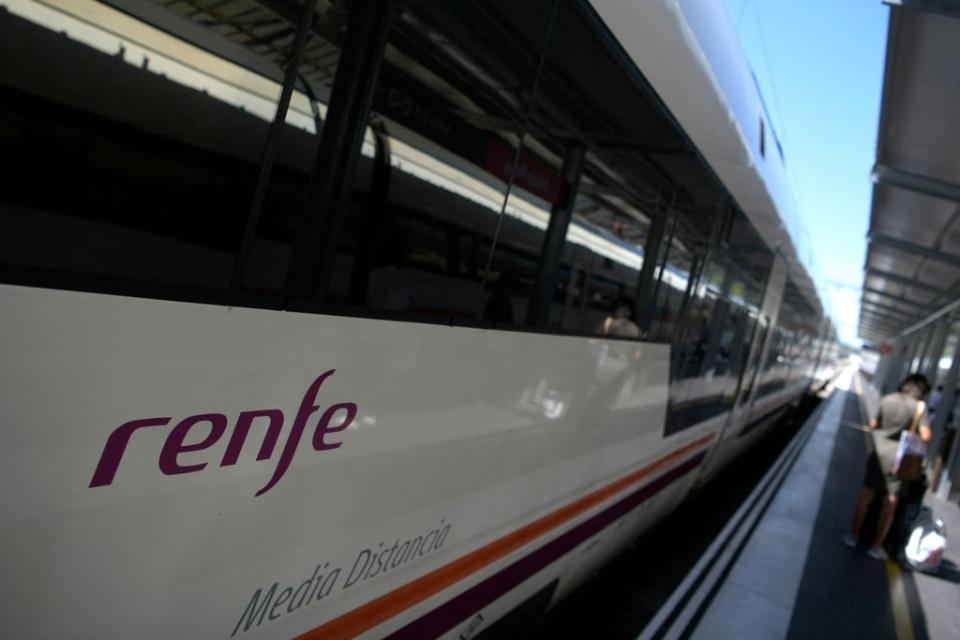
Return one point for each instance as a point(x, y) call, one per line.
point(792, 354)
point(718, 321)
point(132, 156)
point(148, 165)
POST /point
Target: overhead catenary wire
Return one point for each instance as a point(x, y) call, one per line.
point(740, 12)
point(528, 112)
point(764, 51)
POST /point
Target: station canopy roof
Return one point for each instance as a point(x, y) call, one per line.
point(912, 269)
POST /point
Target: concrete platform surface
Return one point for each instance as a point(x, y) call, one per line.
point(795, 579)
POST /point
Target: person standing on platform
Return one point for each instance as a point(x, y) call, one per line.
point(897, 412)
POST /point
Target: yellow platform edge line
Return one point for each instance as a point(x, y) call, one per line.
point(898, 596)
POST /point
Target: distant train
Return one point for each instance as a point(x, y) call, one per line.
point(352, 373)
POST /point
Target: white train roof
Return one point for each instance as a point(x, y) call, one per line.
point(690, 54)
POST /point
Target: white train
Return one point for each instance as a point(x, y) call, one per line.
point(393, 415)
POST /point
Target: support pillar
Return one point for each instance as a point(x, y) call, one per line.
point(272, 145)
point(932, 362)
point(952, 461)
point(645, 283)
point(664, 260)
point(892, 375)
point(822, 336)
point(586, 279)
point(880, 374)
point(926, 346)
point(910, 351)
point(718, 317)
point(568, 292)
point(538, 311)
point(693, 281)
point(334, 170)
point(920, 346)
point(376, 217)
point(770, 307)
point(944, 407)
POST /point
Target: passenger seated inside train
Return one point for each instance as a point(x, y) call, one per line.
point(499, 307)
point(620, 321)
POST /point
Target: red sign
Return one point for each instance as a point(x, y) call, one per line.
point(531, 174)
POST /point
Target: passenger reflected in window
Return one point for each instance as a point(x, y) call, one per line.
point(499, 307)
point(620, 321)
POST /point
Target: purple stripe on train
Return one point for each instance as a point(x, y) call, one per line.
point(459, 608)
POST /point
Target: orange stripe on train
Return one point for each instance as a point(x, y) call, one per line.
point(381, 609)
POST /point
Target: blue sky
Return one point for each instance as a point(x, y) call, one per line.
point(819, 64)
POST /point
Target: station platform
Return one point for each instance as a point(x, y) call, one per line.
point(779, 568)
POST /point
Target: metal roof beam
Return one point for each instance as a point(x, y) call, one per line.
point(890, 177)
point(879, 332)
point(899, 279)
point(888, 314)
point(916, 249)
point(880, 322)
point(891, 314)
point(868, 314)
point(884, 330)
point(873, 335)
point(890, 296)
point(893, 321)
point(953, 293)
point(891, 308)
point(943, 7)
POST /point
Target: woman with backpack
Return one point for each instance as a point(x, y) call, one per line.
point(899, 411)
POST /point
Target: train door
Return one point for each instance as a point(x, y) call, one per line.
point(725, 445)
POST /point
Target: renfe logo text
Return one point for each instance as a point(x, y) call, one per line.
point(334, 419)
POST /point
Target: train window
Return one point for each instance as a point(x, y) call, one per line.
point(719, 321)
point(131, 154)
point(494, 178)
point(420, 235)
point(673, 288)
point(609, 290)
point(791, 356)
point(471, 157)
point(571, 247)
point(776, 367)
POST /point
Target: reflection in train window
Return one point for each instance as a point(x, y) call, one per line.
point(718, 318)
point(131, 160)
point(791, 355)
point(486, 175)
point(149, 165)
